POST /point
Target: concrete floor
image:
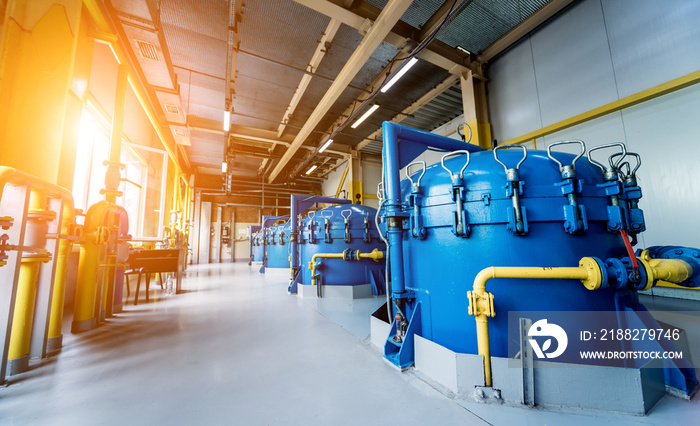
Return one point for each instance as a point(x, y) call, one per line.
point(236, 349)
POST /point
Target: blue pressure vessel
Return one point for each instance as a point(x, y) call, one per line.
point(337, 229)
point(440, 265)
point(278, 246)
point(257, 242)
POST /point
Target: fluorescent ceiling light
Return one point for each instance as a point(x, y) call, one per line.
point(224, 167)
point(311, 170)
point(227, 120)
point(399, 74)
point(364, 117)
point(325, 145)
point(460, 48)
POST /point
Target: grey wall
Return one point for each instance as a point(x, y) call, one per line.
point(599, 51)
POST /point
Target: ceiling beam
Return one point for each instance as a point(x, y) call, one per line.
point(362, 23)
point(533, 21)
point(318, 55)
point(418, 104)
point(389, 16)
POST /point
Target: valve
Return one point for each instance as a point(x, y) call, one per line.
point(574, 214)
point(517, 218)
point(461, 224)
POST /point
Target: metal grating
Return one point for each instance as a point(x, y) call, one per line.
point(417, 13)
point(485, 21)
point(148, 50)
point(206, 17)
point(283, 31)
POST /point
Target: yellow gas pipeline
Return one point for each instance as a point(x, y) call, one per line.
point(35, 236)
point(375, 255)
point(481, 304)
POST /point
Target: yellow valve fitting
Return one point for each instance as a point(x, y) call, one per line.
point(594, 280)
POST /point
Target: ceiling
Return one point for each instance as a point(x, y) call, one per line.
point(277, 66)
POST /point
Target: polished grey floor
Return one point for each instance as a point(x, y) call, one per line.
point(236, 349)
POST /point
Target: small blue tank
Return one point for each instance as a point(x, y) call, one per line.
point(336, 229)
point(278, 246)
point(257, 242)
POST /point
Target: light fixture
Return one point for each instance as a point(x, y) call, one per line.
point(224, 167)
point(311, 170)
point(399, 74)
point(364, 116)
point(227, 120)
point(461, 49)
point(325, 145)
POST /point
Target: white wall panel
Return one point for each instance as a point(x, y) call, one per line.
point(666, 133)
point(513, 94)
point(572, 64)
point(652, 41)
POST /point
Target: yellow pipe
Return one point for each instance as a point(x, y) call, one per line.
point(375, 255)
point(481, 301)
point(8, 175)
point(312, 264)
point(588, 272)
point(25, 301)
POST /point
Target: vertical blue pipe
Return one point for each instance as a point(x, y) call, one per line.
point(392, 132)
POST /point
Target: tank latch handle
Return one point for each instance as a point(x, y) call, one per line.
point(461, 223)
point(312, 225)
point(517, 217)
point(368, 237)
point(574, 214)
point(327, 225)
point(613, 186)
point(632, 193)
point(414, 201)
point(347, 223)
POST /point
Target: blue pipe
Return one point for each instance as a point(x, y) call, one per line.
point(298, 204)
point(395, 156)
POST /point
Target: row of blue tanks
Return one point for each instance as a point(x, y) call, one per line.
point(441, 226)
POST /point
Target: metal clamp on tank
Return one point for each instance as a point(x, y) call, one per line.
point(517, 217)
point(574, 214)
point(414, 201)
point(632, 193)
point(298, 236)
point(612, 185)
point(367, 237)
point(460, 226)
point(312, 225)
point(347, 224)
point(327, 225)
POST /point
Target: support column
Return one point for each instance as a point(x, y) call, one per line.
point(476, 113)
point(355, 182)
point(113, 175)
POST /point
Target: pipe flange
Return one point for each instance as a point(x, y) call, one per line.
point(595, 277)
point(38, 214)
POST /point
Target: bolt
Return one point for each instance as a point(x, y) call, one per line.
point(480, 393)
point(678, 251)
point(696, 255)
